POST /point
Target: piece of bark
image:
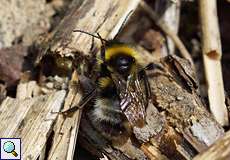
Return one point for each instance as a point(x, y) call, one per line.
point(212, 53)
point(219, 150)
point(175, 95)
point(12, 64)
point(33, 121)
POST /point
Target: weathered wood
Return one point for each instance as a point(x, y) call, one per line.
point(33, 121)
point(177, 122)
point(94, 16)
point(27, 90)
point(169, 12)
point(174, 94)
point(66, 128)
point(219, 150)
point(211, 49)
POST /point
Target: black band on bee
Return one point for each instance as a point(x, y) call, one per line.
point(107, 89)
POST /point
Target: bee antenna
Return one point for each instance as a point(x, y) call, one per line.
point(98, 36)
point(124, 22)
point(102, 47)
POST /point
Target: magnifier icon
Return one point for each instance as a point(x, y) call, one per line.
point(9, 147)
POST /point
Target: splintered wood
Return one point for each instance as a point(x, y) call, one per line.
point(177, 124)
point(66, 128)
point(31, 120)
point(97, 16)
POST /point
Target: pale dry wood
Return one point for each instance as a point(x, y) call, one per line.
point(104, 158)
point(66, 128)
point(42, 155)
point(211, 49)
point(155, 17)
point(93, 16)
point(33, 121)
point(169, 13)
point(220, 150)
point(27, 90)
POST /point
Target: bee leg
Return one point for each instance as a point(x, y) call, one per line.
point(142, 76)
point(147, 87)
point(81, 105)
point(84, 100)
point(152, 66)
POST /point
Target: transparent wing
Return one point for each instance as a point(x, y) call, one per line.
point(133, 99)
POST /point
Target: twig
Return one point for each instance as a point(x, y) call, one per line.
point(153, 15)
point(212, 55)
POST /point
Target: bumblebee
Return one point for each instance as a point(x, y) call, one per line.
point(117, 106)
point(121, 93)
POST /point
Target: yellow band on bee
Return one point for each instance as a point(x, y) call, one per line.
point(112, 51)
point(104, 82)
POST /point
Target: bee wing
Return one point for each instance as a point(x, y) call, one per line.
point(135, 113)
point(133, 100)
point(133, 104)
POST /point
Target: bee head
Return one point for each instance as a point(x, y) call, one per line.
point(121, 58)
point(116, 56)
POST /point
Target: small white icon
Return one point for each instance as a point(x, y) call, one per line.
point(10, 148)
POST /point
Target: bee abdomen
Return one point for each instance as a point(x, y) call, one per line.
point(110, 123)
